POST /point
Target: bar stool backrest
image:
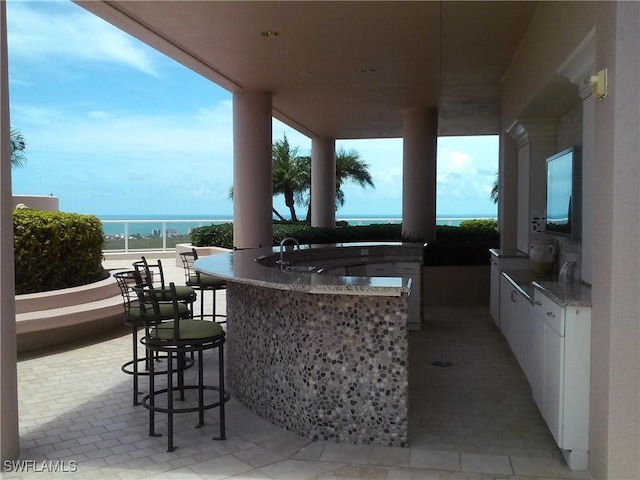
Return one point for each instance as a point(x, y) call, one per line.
point(152, 274)
point(150, 309)
point(127, 280)
point(191, 276)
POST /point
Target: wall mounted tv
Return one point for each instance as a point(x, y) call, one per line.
point(563, 210)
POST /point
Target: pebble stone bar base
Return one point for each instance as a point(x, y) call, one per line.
point(333, 367)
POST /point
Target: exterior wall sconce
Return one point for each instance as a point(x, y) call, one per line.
point(599, 84)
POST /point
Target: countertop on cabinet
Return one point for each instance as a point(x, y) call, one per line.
point(507, 253)
point(257, 267)
point(576, 293)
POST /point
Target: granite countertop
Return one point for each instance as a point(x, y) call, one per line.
point(502, 253)
point(530, 284)
point(258, 267)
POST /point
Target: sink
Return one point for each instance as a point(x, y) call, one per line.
point(298, 268)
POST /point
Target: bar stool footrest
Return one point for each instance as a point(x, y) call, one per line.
point(197, 408)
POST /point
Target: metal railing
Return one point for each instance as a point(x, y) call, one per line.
point(163, 234)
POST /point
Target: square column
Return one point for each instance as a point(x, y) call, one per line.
point(9, 439)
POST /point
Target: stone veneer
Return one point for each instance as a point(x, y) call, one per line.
point(326, 366)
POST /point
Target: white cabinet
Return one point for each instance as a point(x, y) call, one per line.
point(381, 269)
point(508, 299)
point(501, 261)
point(552, 343)
point(564, 402)
point(494, 297)
point(406, 270)
point(515, 314)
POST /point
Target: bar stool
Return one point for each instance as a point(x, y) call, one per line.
point(202, 282)
point(152, 275)
point(132, 318)
point(176, 338)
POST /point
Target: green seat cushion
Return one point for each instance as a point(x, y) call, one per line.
point(206, 281)
point(166, 312)
point(183, 293)
point(189, 330)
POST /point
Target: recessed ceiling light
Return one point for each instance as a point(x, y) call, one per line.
point(269, 33)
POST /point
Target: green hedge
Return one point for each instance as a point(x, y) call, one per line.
point(465, 245)
point(56, 250)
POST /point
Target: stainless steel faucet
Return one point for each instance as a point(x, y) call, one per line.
point(282, 262)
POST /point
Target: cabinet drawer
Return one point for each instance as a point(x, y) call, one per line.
point(407, 268)
point(380, 269)
point(552, 313)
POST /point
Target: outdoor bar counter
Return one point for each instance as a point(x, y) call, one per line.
point(314, 349)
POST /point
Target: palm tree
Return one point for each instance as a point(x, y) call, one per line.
point(18, 144)
point(350, 168)
point(291, 174)
point(494, 189)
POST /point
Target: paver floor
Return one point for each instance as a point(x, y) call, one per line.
point(473, 419)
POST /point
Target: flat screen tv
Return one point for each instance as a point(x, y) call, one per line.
point(563, 206)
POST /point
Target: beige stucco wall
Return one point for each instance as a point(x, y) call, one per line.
point(555, 32)
point(37, 202)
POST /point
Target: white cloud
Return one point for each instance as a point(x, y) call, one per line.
point(61, 35)
point(465, 177)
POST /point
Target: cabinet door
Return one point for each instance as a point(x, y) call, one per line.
point(357, 270)
point(411, 269)
point(380, 270)
point(507, 308)
point(537, 358)
point(523, 333)
point(494, 299)
point(553, 381)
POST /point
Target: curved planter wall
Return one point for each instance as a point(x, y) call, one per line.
point(60, 316)
point(37, 202)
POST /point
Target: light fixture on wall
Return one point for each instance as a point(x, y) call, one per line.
point(599, 84)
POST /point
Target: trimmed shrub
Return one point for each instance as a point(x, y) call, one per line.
point(464, 245)
point(55, 250)
point(480, 223)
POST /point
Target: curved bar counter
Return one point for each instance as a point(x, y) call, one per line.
point(324, 355)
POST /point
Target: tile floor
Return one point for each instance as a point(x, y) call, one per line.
point(474, 419)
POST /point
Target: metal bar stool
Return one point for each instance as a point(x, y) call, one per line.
point(152, 275)
point(176, 338)
point(202, 282)
point(127, 280)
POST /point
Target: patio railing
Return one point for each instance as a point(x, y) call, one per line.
point(164, 235)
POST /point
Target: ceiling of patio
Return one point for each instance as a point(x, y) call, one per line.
point(343, 69)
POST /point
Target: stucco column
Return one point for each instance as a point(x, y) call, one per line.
point(614, 428)
point(508, 193)
point(252, 166)
point(420, 135)
point(536, 141)
point(323, 182)
point(9, 441)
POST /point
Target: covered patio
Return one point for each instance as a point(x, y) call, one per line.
point(414, 70)
point(472, 420)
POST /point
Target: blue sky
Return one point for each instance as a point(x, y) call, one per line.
point(115, 128)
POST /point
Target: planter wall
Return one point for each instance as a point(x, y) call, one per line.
point(37, 202)
point(456, 285)
point(51, 318)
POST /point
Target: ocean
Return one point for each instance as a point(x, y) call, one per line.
point(116, 225)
